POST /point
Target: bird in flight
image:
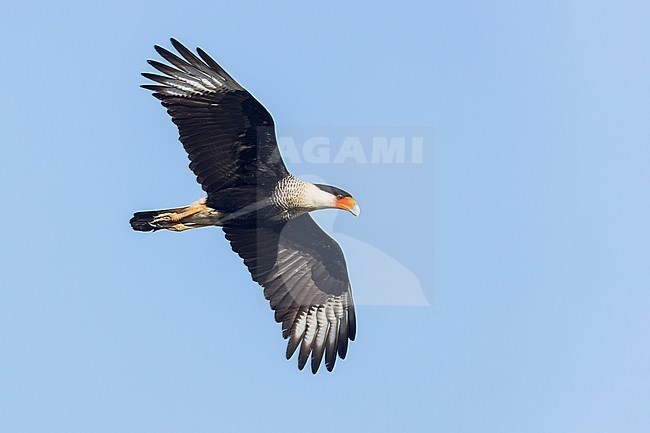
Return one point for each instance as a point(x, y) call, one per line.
point(263, 210)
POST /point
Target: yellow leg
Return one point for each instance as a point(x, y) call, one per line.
point(179, 227)
point(191, 211)
point(175, 217)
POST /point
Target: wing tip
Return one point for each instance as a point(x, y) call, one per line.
point(174, 41)
point(164, 52)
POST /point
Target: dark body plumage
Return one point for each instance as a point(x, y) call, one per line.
point(230, 140)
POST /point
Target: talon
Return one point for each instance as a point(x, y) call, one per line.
point(178, 227)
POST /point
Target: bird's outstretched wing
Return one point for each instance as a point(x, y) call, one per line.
point(305, 278)
point(228, 135)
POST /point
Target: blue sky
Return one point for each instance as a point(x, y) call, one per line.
point(509, 266)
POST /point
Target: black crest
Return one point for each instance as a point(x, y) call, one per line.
point(333, 190)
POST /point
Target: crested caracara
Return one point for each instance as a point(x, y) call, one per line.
point(262, 209)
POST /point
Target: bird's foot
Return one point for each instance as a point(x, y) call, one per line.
point(179, 227)
point(166, 218)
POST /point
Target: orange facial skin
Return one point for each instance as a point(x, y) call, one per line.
point(346, 203)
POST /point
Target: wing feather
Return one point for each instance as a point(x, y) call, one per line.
point(308, 339)
point(330, 348)
point(318, 347)
point(297, 331)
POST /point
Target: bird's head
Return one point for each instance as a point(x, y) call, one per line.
point(338, 199)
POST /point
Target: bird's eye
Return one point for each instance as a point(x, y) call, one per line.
point(339, 197)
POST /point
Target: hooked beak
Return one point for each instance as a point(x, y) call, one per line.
point(349, 205)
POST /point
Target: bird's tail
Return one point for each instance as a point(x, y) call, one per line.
point(145, 221)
